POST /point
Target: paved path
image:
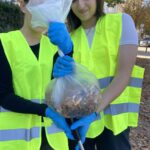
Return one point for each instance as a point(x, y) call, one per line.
point(142, 52)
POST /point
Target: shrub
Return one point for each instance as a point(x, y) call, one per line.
point(10, 17)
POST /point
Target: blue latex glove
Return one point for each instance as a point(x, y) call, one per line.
point(82, 125)
point(59, 35)
point(59, 121)
point(63, 66)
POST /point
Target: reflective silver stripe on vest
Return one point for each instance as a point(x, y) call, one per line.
point(6, 110)
point(20, 134)
point(53, 129)
point(116, 109)
point(135, 82)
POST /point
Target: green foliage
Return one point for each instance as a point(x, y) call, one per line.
point(10, 17)
point(112, 3)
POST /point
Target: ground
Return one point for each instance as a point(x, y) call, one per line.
point(140, 136)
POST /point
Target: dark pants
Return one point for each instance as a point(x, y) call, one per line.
point(44, 144)
point(106, 141)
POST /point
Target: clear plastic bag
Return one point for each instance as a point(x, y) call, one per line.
point(44, 11)
point(74, 95)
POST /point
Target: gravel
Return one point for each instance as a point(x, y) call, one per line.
point(140, 136)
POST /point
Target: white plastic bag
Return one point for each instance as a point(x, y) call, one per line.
point(74, 95)
point(44, 11)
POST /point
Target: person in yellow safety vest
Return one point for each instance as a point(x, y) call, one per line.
point(26, 63)
point(107, 45)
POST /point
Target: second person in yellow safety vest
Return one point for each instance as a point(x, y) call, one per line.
point(107, 45)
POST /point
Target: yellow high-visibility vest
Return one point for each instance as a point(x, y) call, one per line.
point(30, 78)
point(101, 59)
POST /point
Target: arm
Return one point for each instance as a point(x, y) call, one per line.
point(127, 58)
point(8, 99)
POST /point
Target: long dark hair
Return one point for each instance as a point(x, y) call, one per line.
point(74, 22)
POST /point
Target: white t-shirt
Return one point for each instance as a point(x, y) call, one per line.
point(129, 33)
